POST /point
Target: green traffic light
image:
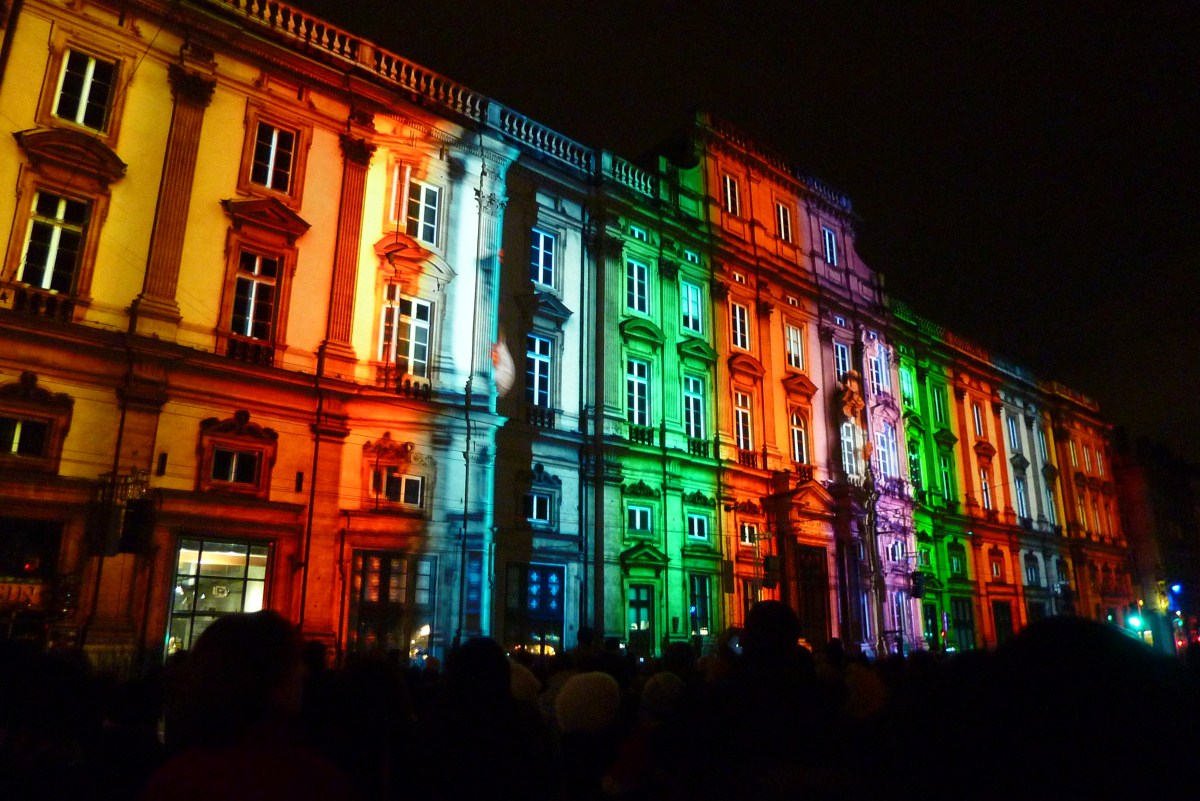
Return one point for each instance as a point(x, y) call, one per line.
point(1135, 622)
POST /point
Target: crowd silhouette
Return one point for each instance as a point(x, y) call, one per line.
point(1068, 708)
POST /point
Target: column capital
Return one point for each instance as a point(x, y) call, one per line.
point(190, 87)
point(355, 150)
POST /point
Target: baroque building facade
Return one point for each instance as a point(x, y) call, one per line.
point(289, 321)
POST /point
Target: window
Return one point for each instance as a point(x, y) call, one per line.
point(53, 242)
point(978, 415)
point(906, 387)
point(234, 466)
point(881, 377)
point(24, 437)
point(829, 240)
point(985, 488)
point(691, 256)
point(1099, 462)
point(541, 260)
point(1022, 490)
point(693, 406)
point(236, 456)
point(915, 470)
point(637, 519)
point(33, 424)
point(739, 278)
point(85, 90)
point(740, 325)
point(392, 597)
point(639, 233)
point(886, 451)
point(537, 508)
point(748, 533)
point(958, 559)
point(214, 578)
point(537, 370)
point(636, 287)
point(741, 422)
point(697, 527)
point(729, 198)
point(946, 474)
point(783, 221)
point(1041, 445)
point(254, 296)
point(849, 457)
point(1014, 441)
point(395, 477)
point(690, 302)
point(1033, 575)
point(388, 482)
point(1087, 458)
point(1074, 456)
point(698, 593)
point(274, 157)
point(939, 405)
point(996, 563)
point(795, 346)
point(1051, 515)
point(841, 358)
point(404, 332)
point(637, 392)
point(1060, 571)
point(799, 436)
point(421, 220)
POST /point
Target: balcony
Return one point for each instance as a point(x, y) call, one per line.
point(697, 447)
point(415, 388)
point(747, 458)
point(804, 472)
point(642, 435)
point(540, 416)
point(35, 302)
point(249, 350)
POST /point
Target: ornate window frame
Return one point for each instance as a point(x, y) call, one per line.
point(409, 464)
point(235, 435)
point(63, 41)
point(258, 113)
point(23, 400)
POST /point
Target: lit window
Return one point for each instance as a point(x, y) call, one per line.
point(537, 508)
point(906, 387)
point(693, 406)
point(637, 293)
point(54, 241)
point(691, 256)
point(541, 261)
point(637, 519)
point(697, 527)
point(537, 370)
point(1022, 490)
point(849, 448)
point(978, 415)
point(639, 233)
point(1087, 458)
point(690, 300)
point(799, 437)
point(740, 322)
point(886, 451)
point(946, 474)
point(985, 488)
point(21, 436)
point(274, 157)
point(1041, 445)
point(748, 533)
point(881, 376)
point(1014, 440)
point(213, 578)
point(390, 483)
point(795, 347)
point(1074, 456)
point(841, 358)
point(637, 392)
point(254, 296)
point(914, 463)
point(783, 222)
point(730, 198)
point(1033, 575)
point(739, 278)
point(422, 217)
point(939, 405)
point(741, 421)
point(85, 90)
point(829, 240)
point(404, 332)
point(698, 594)
point(1051, 514)
point(1099, 462)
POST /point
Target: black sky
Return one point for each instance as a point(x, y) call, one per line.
point(1026, 173)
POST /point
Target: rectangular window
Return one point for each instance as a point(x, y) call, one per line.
point(730, 198)
point(1022, 490)
point(783, 221)
point(422, 217)
point(698, 594)
point(1014, 439)
point(274, 157)
point(795, 346)
point(691, 256)
point(235, 467)
point(391, 484)
point(1033, 576)
point(637, 392)
point(1051, 515)
point(881, 375)
point(53, 242)
point(392, 595)
point(212, 579)
point(939, 405)
point(748, 533)
point(693, 406)
point(639, 233)
point(985, 488)
point(85, 90)
point(21, 436)
point(740, 325)
point(741, 422)
point(956, 563)
point(537, 507)
point(1099, 462)
point(541, 259)
point(1074, 456)
point(841, 358)
point(829, 240)
point(1087, 459)
point(906, 387)
point(697, 527)
point(978, 415)
point(637, 519)
point(254, 296)
point(537, 370)
point(1041, 445)
point(637, 293)
point(946, 474)
point(849, 457)
point(690, 301)
point(404, 332)
point(886, 451)
point(799, 437)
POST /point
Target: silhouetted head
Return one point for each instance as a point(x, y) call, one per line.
point(771, 632)
point(478, 670)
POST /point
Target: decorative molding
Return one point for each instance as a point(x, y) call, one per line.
point(639, 490)
point(72, 151)
point(697, 349)
point(385, 449)
point(748, 508)
point(698, 498)
point(746, 365)
point(26, 390)
point(718, 289)
point(1019, 462)
point(850, 396)
point(538, 477)
point(190, 87)
point(669, 270)
point(800, 385)
point(638, 328)
point(490, 202)
point(984, 451)
point(240, 426)
point(268, 213)
point(355, 150)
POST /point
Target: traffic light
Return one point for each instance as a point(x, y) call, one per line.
point(918, 583)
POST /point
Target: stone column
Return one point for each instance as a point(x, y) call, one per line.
point(155, 311)
point(356, 158)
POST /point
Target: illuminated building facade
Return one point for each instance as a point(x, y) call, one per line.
point(288, 321)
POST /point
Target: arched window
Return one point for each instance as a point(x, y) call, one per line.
point(799, 434)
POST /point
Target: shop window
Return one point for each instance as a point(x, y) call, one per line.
point(214, 578)
point(236, 455)
point(392, 595)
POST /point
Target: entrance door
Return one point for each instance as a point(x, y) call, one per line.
point(812, 579)
point(641, 620)
point(391, 603)
point(1002, 615)
point(535, 609)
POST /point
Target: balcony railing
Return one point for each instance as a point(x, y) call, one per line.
point(539, 416)
point(36, 302)
point(415, 388)
point(251, 351)
point(804, 472)
point(698, 447)
point(747, 458)
point(642, 435)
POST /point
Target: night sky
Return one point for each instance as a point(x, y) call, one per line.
point(1025, 173)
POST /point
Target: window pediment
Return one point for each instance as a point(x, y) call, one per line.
point(411, 260)
point(913, 422)
point(389, 450)
point(945, 439)
point(985, 450)
point(639, 490)
point(238, 426)
point(538, 477)
point(643, 555)
point(268, 214)
point(545, 305)
point(696, 350)
point(72, 152)
point(637, 328)
point(698, 498)
point(26, 390)
point(746, 365)
point(800, 385)
point(1019, 462)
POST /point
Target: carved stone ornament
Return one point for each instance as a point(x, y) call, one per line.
point(850, 396)
point(639, 490)
point(698, 498)
point(238, 425)
point(190, 87)
point(719, 289)
point(355, 150)
point(490, 202)
point(26, 390)
point(668, 270)
point(388, 450)
point(748, 508)
point(540, 478)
